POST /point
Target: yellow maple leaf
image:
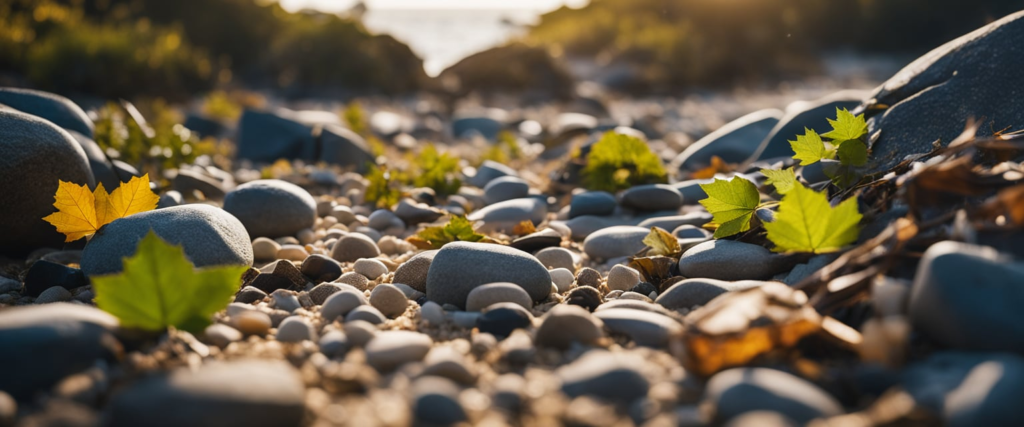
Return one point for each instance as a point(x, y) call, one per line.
point(81, 213)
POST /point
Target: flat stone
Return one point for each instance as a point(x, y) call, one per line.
point(565, 324)
point(189, 181)
point(605, 375)
point(252, 322)
point(670, 223)
point(391, 349)
point(43, 275)
point(646, 328)
point(243, 392)
point(447, 362)
point(492, 293)
point(383, 219)
point(334, 343)
point(969, 388)
point(687, 231)
point(367, 313)
point(436, 401)
point(413, 272)
point(281, 274)
point(598, 203)
point(221, 335)
point(587, 297)
point(730, 260)
point(320, 268)
point(249, 295)
point(558, 258)
point(360, 332)
point(271, 207)
point(341, 303)
point(614, 242)
point(736, 391)
point(459, 267)
point(488, 171)
point(562, 278)
point(532, 242)
point(413, 213)
point(295, 329)
point(371, 268)
point(506, 215)
point(210, 236)
point(734, 142)
point(697, 292)
point(354, 246)
point(505, 188)
point(651, 197)
point(46, 343)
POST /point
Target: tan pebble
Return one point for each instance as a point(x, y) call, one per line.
point(292, 253)
point(252, 322)
point(306, 236)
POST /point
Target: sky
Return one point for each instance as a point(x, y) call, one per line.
point(341, 5)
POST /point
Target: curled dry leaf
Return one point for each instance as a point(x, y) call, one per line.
point(663, 243)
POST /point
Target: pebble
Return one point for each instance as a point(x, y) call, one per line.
point(969, 297)
point(292, 253)
point(432, 313)
point(545, 238)
point(355, 280)
point(558, 258)
point(252, 322)
point(644, 288)
point(343, 214)
point(459, 267)
point(389, 300)
point(383, 219)
point(374, 235)
point(615, 241)
point(249, 392)
point(502, 318)
point(281, 274)
point(717, 259)
point(410, 293)
point(360, 332)
point(505, 188)
point(687, 231)
point(295, 329)
point(652, 197)
point(504, 216)
point(271, 207)
point(341, 304)
point(736, 391)
point(390, 349)
point(371, 268)
point(436, 402)
point(646, 328)
point(334, 344)
point(8, 410)
point(250, 295)
point(969, 388)
point(761, 419)
point(413, 213)
point(587, 297)
point(696, 219)
point(623, 278)
point(285, 300)
point(354, 246)
point(565, 324)
point(221, 335)
point(321, 292)
point(588, 277)
point(493, 293)
point(414, 271)
point(631, 304)
point(606, 375)
point(489, 171)
point(562, 278)
point(690, 293)
point(54, 294)
point(465, 319)
point(321, 268)
point(447, 362)
point(599, 203)
point(264, 249)
point(210, 236)
point(366, 313)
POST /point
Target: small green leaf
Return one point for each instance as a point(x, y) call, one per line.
point(458, 229)
point(852, 152)
point(783, 180)
point(807, 223)
point(618, 161)
point(846, 127)
point(808, 148)
point(662, 242)
point(159, 287)
point(732, 204)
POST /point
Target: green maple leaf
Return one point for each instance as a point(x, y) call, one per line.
point(807, 223)
point(846, 127)
point(458, 229)
point(662, 242)
point(159, 287)
point(809, 148)
point(853, 152)
point(783, 180)
point(731, 204)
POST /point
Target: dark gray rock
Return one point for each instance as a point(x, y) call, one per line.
point(486, 295)
point(652, 197)
point(599, 203)
point(488, 171)
point(466, 127)
point(691, 191)
point(354, 246)
point(736, 391)
point(45, 343)
point(383, 219)
point(617, 241)
point(646, 328)
point(734, 143)
point(52, 107)
point(280, 274)
point(413, 213)
point(459, 267)
point(271, 208)
point(188, 181)
point(583, 226)
point(506, 215)
point(170, 199)
point(244, 392)
point(436, 402)
point(502, 318)
point(505, 188)
point(605, 375)
point(974, 76)
point(805, 114)
point(340, 146)
point(414, 271)
point(320, 268)
point(265, 137)
point(669, 223)
point(969, 297)
point(43, 275)
point(731, 260)
point(565, 324)
point(697, 292)
point(102, 169)
point(250, 295)
point(969, 389)
point(209, 235)
point(545, 238)
point(391, 349)
point(34, 155)
point(687, 231)
point(584, 296)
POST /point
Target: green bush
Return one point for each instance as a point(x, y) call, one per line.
point(618, 161)
point(437, 170)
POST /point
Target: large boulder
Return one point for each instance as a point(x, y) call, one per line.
point(209, 235)
point(102, 169)
point(734, 143)
point(340, 146)
point(55, 108)
point(977, 75)
point(265, 137)
point(35, 155)
point(805, 114)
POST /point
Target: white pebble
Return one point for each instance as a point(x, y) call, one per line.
point(371, 268)
point(623, 278)
point(221, 335)
point(562, 278)
point(264, 249)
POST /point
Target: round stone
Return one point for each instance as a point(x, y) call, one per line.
point(609, 376)
point(295, 329)
point(646, 328)
point(652, 197)
point(562, 278)
point(271, 207)
point(355, 280)
point(390, 349)
point(588, 277)
point(614, 242)
point(436, 401)
point(341, 303)
point(505, 188)
point(599, 203)
point(565, 324)
point(557, 258)
point(389, 300)
point(432, 313)
point(354, 246)
point(414, 271)
point(292, 253)
point(334, 343)
point(622, 278)
point(691, 293)
point(736, 391)
point(320, 268)
point(459, 267)
point(587, 297)
point(383, 219)
point(252, 322)
point(716, 259)
point(360, 332)
point(371, 268)
point(210, 236)
point(493, 293)
point(367, 313)
point(54, 294)
point(502, 318)
point(221, 335)
point(34, 156)
point(264, 249)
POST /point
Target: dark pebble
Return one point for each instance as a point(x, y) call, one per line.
point(588, 277)
point(585, 296)
point(502, 318)
point(250, 295)
point(644, 288)
point(45, 274)
point(321, 268)
point(281, 274)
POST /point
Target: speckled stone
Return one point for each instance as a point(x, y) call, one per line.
point(614, 242)
point(622, 278)
point(492, 293)
point(389, 300)
point(459, 267)
point(271, 207)
point(354, 246)
point(414, 271)
point(341, 303)
point(557, 258)
point(565, 324)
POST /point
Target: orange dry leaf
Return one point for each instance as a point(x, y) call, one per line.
point(81, 213)
point(524, 228)
point(717, 166)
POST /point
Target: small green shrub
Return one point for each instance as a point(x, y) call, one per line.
point(437, 170)
point(384, 189)
point(617, 162)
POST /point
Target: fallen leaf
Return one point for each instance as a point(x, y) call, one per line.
point(807, 223)
point(81, 213)
point(524, 228)
point(784, 180)
point(662, 242)
point(731, 204)
point(717, 166)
